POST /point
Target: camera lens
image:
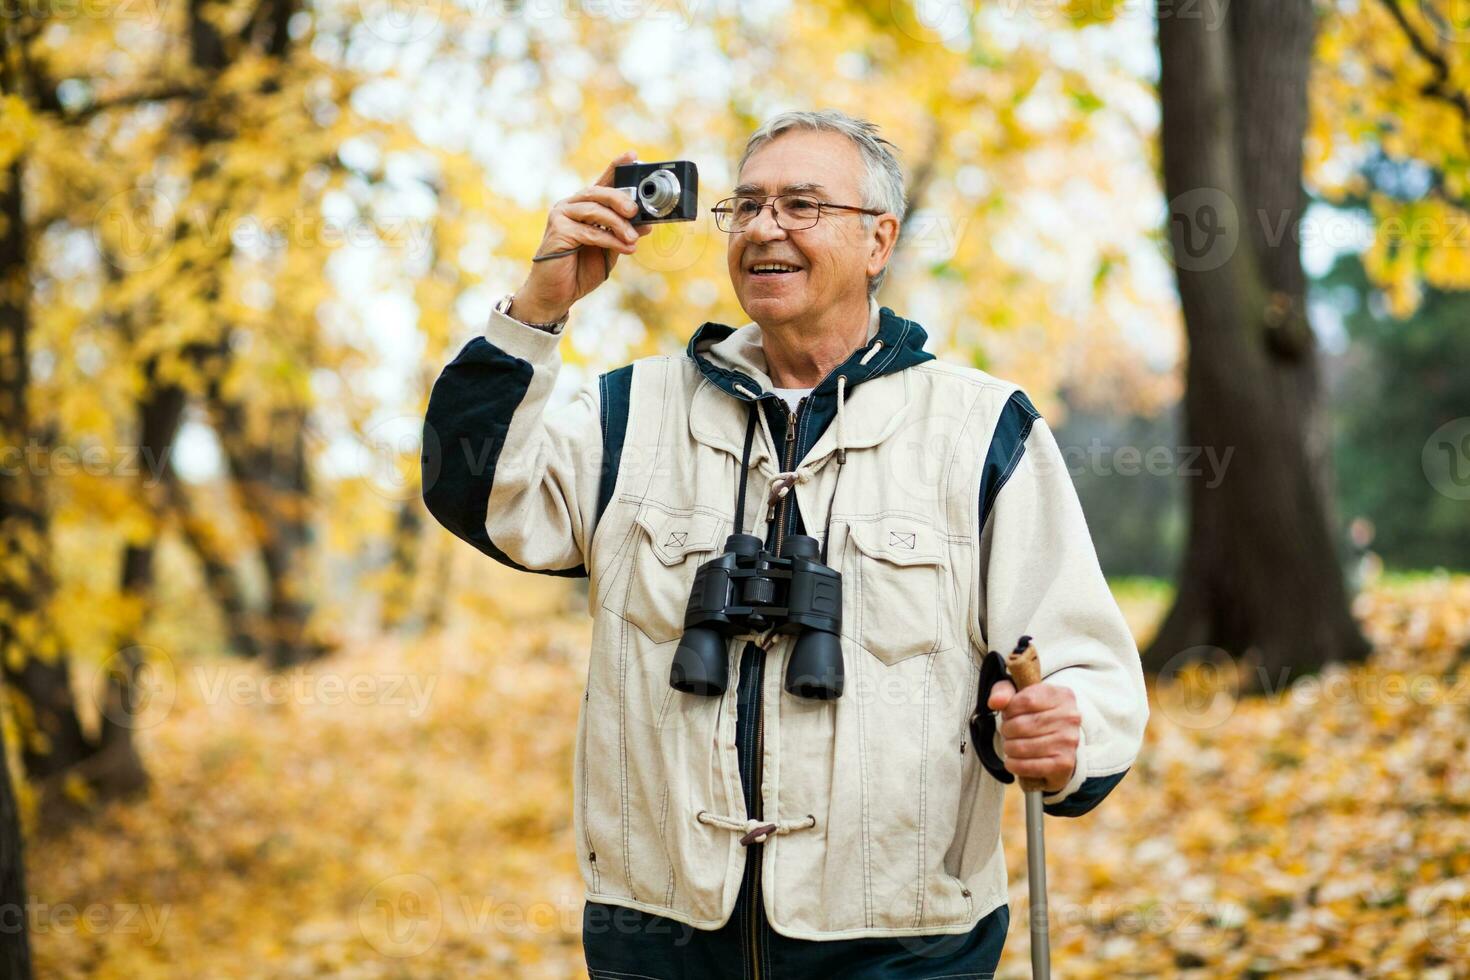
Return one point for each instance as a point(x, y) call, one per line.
point(659, 192)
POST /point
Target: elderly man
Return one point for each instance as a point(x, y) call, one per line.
point(746, 830)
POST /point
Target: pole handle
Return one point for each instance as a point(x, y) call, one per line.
point(1024, 666)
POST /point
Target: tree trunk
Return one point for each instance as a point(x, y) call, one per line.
point(1260, 578)
point(220, 579)
point(15, 949)
point(269, 469)
point(35, 665)
point(53, 742)
point(287, 542)
point(159, 412)
point(436, 605)
point(272, 480)
point(405, 544)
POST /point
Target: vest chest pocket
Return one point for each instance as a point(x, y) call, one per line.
point(896, 576)
point(651, 586)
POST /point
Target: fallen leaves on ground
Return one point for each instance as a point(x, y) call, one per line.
point(403, 810)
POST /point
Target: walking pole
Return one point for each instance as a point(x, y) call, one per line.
point(1025, 670)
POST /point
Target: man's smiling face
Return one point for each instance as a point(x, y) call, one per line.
point(833, 259)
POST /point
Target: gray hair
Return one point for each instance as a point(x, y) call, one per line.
point(883, 183)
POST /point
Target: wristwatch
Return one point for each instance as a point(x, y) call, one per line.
point(553, 327)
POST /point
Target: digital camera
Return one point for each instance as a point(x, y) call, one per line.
point(747, 589)
point(662, 191)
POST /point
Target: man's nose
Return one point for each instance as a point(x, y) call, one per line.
point(763, 227)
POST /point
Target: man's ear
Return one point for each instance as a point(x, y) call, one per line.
point(885, 239)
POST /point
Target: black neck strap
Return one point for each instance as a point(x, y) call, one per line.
point(745, 468)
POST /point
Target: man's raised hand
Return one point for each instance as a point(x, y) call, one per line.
point(594, 221)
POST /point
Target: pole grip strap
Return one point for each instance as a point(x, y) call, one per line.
point(982, 722)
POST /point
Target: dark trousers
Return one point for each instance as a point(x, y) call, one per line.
point(629, 944)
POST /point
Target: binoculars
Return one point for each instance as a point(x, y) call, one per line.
point(746, 589)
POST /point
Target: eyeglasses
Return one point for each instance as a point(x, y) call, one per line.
point(794, 212)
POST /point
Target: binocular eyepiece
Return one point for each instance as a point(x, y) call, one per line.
point(747, 589)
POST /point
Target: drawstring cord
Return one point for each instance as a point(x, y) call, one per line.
point(755, 831)
point(781, 484)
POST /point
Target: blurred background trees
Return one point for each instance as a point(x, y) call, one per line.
point(243, 236)
point(239, 238)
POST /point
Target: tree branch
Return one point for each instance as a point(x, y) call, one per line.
point(1439, 86)
point(165, 94)
point(919, 179)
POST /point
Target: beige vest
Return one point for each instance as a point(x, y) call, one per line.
point(887, 823)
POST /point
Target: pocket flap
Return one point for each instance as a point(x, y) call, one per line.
point(674, 536)
point(899, 541)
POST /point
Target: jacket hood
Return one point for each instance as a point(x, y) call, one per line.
point(728, 356)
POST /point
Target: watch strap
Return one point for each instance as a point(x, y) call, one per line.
point(504, 305)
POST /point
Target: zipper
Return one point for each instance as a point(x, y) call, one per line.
point(586, 827)
point(777, 512)
point(790, 460)
point(758, 856)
